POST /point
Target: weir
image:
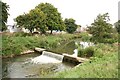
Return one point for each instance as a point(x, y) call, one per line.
point(48, 57)
point(53, 55)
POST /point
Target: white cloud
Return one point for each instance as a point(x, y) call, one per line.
point(83, 11)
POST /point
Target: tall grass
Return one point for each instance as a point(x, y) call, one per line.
point(104, 64)
point(16, 43)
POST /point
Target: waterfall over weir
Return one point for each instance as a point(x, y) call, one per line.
point(48, 57)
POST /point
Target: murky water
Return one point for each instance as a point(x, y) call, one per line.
point(66, 47)
point(20, 67)
point(69, 47)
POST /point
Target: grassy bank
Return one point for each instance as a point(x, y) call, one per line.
point(104, 64)
point(14, 44)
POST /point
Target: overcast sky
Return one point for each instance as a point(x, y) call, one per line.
point(83, 11)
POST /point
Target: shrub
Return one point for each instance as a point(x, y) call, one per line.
point(21, 34)
point(85, 36)
point(81, 52)
point(87, 52)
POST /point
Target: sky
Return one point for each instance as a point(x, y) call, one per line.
point(83, 11)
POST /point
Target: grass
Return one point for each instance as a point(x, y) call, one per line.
point(13, 44)
point(105, 66)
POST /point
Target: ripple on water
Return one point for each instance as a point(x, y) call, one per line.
point(22, 68)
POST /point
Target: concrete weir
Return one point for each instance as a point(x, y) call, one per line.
point(63, 58)
point(48, 57)
point(72, 59)
point(40, 50)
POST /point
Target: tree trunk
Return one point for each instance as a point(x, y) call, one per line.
point(51, 31)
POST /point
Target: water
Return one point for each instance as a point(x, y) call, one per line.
point(66, 47)
point(69, 47)
point(21, 67)
point(48, 57)
point(86, 44)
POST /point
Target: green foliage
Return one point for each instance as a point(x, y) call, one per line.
point(105, 66)
point(4, 16)
point(53, 19)
point(117, 26)
point(87, 52)
point(35, 19)
point(13, 44)
point(104, 49)
point(85, 36)
point(100, 29)
point(70, 25)
point(44, 17)
point(21, 34)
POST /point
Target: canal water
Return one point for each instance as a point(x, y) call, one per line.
point(65, 47)
point(21, 67)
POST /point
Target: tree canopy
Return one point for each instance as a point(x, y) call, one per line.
point(35, 19)
point(4, 16)
point(117, 26)
point(44, 17)
point(70, 25)
point(53, 19)
point(100, 29)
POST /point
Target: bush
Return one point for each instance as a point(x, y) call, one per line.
point(85, 36)
point(21, 34)
point(81, 53)
point(110, 41)
point(87, 52)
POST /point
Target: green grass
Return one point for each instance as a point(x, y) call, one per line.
point(13, 44)
point(105, 66)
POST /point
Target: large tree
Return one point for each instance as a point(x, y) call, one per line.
point(35, 19)
point(38, 20)
point(100, 29)
point(4, 16)
point(70, 25)
point(53, 19)
point(117, 26)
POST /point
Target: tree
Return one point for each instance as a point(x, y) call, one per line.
point(35, 19)
point(53, 19)
point(70, 25)
point(5, 14)
point(100, 29)
point(117, 26)
point(38, 20)
point(43, 17)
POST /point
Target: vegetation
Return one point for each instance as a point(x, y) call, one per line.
point(70, 25)
point(117, 26)
point(104, 64)
point(3, 18)
point(103, 61)
point(44, 17)
point(101, 30)
point(14, 44)
point(87, 52)
point(54, 20)
point(35, 19)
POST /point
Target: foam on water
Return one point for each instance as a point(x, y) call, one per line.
point(47, 57)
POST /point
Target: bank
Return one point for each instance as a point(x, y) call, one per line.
point(15, 44)
point(104, 63)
